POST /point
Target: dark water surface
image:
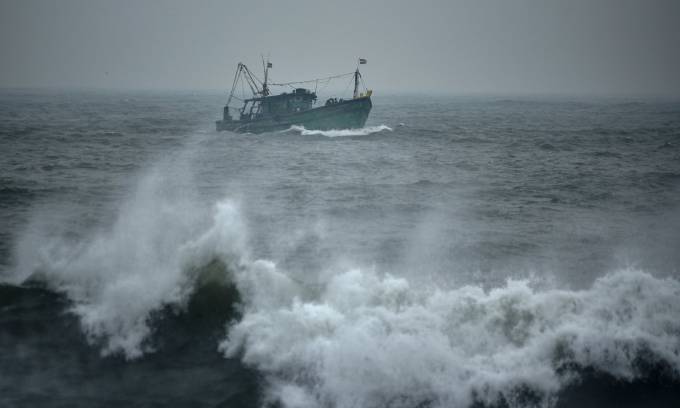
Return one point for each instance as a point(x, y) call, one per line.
point(458, 251)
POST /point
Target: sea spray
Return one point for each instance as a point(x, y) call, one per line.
point(117, 276)
point(375, 340)
point(360, 337)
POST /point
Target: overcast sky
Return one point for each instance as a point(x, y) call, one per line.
point(616, 47)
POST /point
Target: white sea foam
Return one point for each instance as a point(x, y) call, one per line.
point(118, 276)
point(373, 341)
point(340, 132)
point(361, 338)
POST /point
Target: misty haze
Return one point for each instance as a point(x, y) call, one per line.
point(376, 204)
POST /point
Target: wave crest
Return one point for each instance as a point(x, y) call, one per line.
point(149, 259)
point(365, 131)
point(375, 341)
point(359, 338)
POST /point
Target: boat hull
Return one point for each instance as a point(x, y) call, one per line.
point(348, 114)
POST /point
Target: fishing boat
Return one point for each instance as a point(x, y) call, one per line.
point(264, 112)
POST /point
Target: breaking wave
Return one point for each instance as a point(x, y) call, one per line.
point(360, 338)
point(149, 259)
point(374, 341)
point(365, 131)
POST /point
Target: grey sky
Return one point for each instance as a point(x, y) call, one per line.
point(533, 46)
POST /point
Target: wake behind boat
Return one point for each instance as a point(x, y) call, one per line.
point(264, 112)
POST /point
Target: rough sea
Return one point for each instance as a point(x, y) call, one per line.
point(456, 252)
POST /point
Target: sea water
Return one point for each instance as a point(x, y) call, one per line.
point(455, 252)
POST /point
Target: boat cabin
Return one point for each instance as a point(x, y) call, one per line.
point(299, 100)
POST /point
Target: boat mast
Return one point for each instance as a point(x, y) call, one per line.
point(356, 82)
point(265, 88)
point(357, 75)
point(242, 72)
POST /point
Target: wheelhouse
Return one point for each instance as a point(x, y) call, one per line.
point(299, 100)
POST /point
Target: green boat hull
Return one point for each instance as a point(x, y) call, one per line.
point(349, 114)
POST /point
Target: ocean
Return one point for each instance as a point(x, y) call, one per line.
point(458, 251)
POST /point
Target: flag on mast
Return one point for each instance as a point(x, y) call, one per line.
point(362, 60)
point(269, 64)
